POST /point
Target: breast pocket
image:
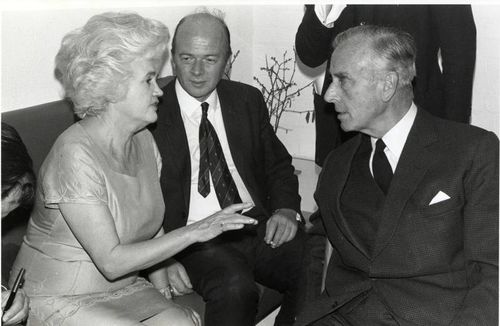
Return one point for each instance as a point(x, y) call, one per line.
point(433, 235)
point(439, 209)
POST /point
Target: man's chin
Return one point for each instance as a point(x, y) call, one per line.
point(345, 126)
point(198, 94)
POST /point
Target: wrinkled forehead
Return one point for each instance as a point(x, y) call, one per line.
point(346, 58)
point(353, 56)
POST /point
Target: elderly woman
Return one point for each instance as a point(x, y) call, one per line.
point(99, 208)
point(18, 188)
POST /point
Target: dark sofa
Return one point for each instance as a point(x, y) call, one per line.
point(39, 127)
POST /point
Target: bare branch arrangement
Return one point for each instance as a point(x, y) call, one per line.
point(282, 90)
point(227, 72)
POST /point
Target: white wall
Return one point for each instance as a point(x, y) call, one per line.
point(30, 38)
point(486, 92)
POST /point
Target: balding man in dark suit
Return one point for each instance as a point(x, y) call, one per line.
point(202, 116)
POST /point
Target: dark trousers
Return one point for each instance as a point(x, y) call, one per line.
point(224, 271)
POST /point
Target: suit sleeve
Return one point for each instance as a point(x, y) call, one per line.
point(281, 182)
point(317, 226)
point(313, 39)
point(457, 40)
point(480, 306)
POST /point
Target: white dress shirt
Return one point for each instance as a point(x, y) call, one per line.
point(395, 138)
point(328, 17)
point(199, 206)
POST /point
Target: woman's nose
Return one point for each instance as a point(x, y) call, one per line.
point(157, 90)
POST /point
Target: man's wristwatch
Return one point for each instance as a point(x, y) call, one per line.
point(298, 218)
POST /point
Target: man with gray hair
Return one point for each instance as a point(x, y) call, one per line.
point(410, 204)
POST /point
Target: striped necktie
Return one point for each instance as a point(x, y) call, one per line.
point(212, 162)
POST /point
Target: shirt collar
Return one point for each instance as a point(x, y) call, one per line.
point(395, 138)
point(191, 106)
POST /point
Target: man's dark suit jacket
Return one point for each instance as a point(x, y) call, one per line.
point(446, 28)
point(260, 158)
point(431, 264)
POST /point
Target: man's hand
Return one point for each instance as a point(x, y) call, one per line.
point(18, 312)
point(281, 227)
point(178, 278)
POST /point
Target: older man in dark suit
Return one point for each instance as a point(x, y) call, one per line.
point(410, 204)
point(219, 148)
point(445, 35)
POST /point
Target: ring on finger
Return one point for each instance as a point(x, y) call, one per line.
point(171, 290)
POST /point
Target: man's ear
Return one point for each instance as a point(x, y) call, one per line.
point(391, 81)
point(172, 65)
point(227, 69)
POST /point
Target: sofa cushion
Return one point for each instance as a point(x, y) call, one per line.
point(39, 127)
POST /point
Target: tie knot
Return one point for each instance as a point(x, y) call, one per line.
point(204, 108)
point(379, 145)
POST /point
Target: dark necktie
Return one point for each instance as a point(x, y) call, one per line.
point(212, 162)
point(382, 171)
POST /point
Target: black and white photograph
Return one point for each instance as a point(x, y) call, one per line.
point(242, 163)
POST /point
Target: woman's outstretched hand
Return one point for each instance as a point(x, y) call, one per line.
point(222, 221)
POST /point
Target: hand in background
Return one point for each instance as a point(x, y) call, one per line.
point(18, 312)
point(281, 227)
point(178, 278)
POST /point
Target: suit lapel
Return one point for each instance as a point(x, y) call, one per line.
point(343, 169)
point(236, 125)
point(175, 135)
point(412, 166)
